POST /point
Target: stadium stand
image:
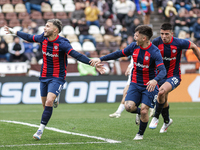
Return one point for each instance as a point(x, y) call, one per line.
point(14, 14)
point(57, 7)
point(23, 15)
point(2, 2)
point(46, 8)
point(36, 15)
point(61, 15)
point(88, 46)
point(68, 30)
point(14, 2)
point(3, 22)
point(14, 22)
point(77, 46)
point(6, 8)
point(20, 8)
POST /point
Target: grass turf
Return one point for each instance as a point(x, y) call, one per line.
point(93, 120)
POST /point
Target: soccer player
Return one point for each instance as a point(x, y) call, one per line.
point(170, 49)
point(53, 71)
point(143, 87)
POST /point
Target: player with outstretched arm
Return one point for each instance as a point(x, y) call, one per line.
point(143, 87)
point(53, 71)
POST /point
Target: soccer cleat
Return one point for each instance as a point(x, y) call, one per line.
point(151, 112)
point(37, 135)
point(165, 126)
point(114, 115)
point(154, 123)
point(138, 137)
point(137, 119)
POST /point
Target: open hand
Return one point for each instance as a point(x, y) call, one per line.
point(9, 30)
point(93, 62)
point(100, 68)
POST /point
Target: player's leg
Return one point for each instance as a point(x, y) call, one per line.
point(121, 107)
point(163, 91)
point(165, 114)
point(147, 101)
point(54, 88)
point(46, 115)
point(143, 122)
point(56, 101)
point(175, 82)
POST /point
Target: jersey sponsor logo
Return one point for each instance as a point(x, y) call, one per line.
point(169, 59)
point(141, 65)
point(51, 55)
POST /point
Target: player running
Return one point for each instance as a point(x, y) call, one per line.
point(143, 87)
point(53, 71)
point(170, 49)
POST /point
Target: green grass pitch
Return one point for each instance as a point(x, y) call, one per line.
point(88, 127)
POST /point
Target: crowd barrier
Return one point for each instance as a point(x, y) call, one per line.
point(88, 89)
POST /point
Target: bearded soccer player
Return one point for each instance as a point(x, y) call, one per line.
point(170, 49)
point(143, 87)
point(53, 71)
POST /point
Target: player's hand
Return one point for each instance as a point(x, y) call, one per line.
point(100, 68)
point(151, 85)
point(93, 62)
point(9, 30)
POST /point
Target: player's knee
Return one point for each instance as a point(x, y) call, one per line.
point(162, 93)
point(128, 107)
point(143, 111)
point(49, 103)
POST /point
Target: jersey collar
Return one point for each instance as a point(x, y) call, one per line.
point(146, 47)
point(54, 39)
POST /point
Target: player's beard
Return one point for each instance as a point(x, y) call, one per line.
point(48, 33)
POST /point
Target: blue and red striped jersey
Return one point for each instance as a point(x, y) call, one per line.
point(54, 54)
point(145, 61)
point(171, 54)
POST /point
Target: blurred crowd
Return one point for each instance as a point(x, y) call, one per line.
point(94, 27)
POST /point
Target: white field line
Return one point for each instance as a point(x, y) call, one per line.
point(52, 144)
point(62, 131)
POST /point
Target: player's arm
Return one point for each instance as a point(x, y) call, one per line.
point(195, 50)
point(162, 72)
point(82, 58)
point(111, 56)
point(25, 36)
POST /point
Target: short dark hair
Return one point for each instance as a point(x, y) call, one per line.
point(166, 26)
point(145, 30)
point(57, 23)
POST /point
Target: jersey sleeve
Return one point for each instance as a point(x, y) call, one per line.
point(117, 54)
point(80, 57)
point(31, 38)
point(159, 65)
point(158, 58)
point(185, 44)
